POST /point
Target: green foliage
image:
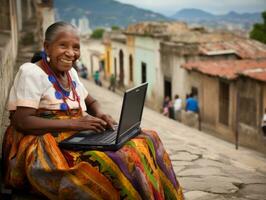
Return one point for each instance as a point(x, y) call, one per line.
point(97, 33)
point(114, 28)
point(259, 30)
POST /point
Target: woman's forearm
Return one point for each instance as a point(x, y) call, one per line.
point(38, 126)
point(93, 106)
point(25, 120)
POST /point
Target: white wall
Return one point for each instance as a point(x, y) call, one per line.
point(116, 47)
point(91, 53)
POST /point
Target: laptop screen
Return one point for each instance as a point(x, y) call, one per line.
point(132, 108)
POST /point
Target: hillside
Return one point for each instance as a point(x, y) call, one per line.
point(230, 20)
point(104, 13)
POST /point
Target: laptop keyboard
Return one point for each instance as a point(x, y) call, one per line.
point(106, 136)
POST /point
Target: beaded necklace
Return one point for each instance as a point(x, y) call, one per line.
point(60, 92)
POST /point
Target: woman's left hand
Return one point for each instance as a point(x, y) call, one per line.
point(108, 119)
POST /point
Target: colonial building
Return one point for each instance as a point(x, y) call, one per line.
point(135, 56)
point(156, 51)
point(232, 98)
point(116, 57)
point(194, 46)
point(92, 54)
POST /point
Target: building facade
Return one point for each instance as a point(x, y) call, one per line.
point(163, 54)
point(232, 99)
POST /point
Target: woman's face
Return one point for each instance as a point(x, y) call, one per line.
point(63, 51)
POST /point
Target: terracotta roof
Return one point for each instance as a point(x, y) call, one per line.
point(244, 48)
point(257, 74)
point(230, 69)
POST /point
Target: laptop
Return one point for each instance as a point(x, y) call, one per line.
point(128, 127)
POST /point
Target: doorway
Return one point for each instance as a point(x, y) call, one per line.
point(167, 88)
point(143, 72)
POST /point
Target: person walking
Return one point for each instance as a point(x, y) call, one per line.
point(112, 83)
point(192, 104)
point(96, 77)
point(177, 107)
point(166, 106)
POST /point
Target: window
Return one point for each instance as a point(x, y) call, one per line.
point(223, 102)
point(247, 111)
point(115, 64)
point(194, 91)
point(108, 62)
point(143, 72)
point(167, 87)
point(5, 23)
point(121, 68)
point(130, 68)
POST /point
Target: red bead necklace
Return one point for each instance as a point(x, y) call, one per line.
point(59, 88)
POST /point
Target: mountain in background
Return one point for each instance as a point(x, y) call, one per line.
point(192, 14)
point(230, 20)
point(103, 13)
point(108, 13)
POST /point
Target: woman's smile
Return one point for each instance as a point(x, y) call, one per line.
point(66, 61)
point(63, 51)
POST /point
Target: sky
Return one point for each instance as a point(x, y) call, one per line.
point(170, 7)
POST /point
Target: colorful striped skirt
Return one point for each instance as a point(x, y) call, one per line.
point(141, 169)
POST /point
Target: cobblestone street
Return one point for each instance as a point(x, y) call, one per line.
point(206, 167)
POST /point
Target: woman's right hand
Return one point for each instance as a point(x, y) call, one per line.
point(88, 122)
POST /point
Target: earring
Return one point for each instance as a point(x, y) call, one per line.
point(48, 59)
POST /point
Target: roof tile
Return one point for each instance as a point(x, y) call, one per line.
point(230, 69)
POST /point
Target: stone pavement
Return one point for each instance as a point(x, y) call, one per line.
point(207, 168)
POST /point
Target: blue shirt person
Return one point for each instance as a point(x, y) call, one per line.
point(192, 104)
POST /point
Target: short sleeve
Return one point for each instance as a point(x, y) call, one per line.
point(28, 87)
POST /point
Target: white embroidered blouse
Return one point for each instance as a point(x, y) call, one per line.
point(32, 88)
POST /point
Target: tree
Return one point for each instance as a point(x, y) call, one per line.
point(114, 28)
point(97, 33)
point(259, 30)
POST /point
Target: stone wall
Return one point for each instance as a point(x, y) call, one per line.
point(8, 53)
point(12, 30)
point(250, 110)
point(6, 77)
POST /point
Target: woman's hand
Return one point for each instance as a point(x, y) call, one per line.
point(93, 108)
point(26, 121)
point(89, 122)
point(108, 119)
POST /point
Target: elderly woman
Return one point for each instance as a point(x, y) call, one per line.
point(47, 104)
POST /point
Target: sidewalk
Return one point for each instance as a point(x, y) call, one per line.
point(207, 167)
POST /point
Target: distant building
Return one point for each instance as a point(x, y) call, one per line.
point(82, 24)
point(232, 97)
point(116, 56)
point(157, 52)
point(73, 22)
point(92, 53)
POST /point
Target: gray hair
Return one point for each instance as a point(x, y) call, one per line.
point(57, 27)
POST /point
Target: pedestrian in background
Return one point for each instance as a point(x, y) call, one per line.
point(192, 104)
point(171, 110)
point(165, 106)
point(96, 77)
point(177, 107)
point(112, 83)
